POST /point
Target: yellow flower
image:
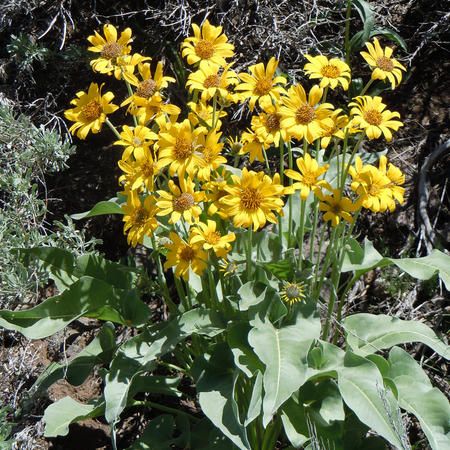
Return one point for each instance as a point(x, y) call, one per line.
point(207, 44)
point(184, 255)
point(333, 126)
point(228, 268)
point(177, 149)
point(384, 66)
point(90, 111)
point(110, 49)
point(207, 235)
point(133, 138)
point(336, 207)
point(293, 292)
point(396, 177)
point(139, 218)
point(301, 116)
point(215, 191)
point(141, 171)
point(369, 114)
point(253, 199)
point(211, 80)
point(308, 177)
point(148, 87)
point(155, 109)
point(253, 145)
point(262, 84)
point(180, 203)
point(125, 66)
point(201, 116)
point(267, 125)
point(331, 72)
point(210, 158)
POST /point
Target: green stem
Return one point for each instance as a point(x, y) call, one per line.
point(181, 293)
point(319, 252)
point(249, 252)
point(326, 263)
point(368, 84)
point(267, 161)
point(164, 408)
point(212, 285)
point(348, 15)
point(291, 163)
point(130, 93)
point(350, 161)
point(301, 232)
point(113, 128)
point(271, 434)
point(162, 280)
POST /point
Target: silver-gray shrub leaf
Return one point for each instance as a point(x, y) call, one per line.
point(27, 154)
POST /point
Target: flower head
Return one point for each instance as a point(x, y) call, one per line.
point(384, 66)
point(139, 218)
point(133, 138)
point(308, 176)
point(111, 49)
point(208, 44)
point(333, 126)
point(369, 114)
point(209, 237)
point(253, 145)
point(293, 293)
point(336, 207)
point(180, 202)
point(90, 111)
point(330, 72)
point(185, 255)
point(302, 116)
point(253, 199)
point(267, 125)
point(210, 157)
point(261, 84)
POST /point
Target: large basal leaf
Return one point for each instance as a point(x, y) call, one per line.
point(215, 386)
point(59, 415)
point(86, 297)
point(135, 355)
point(361, 260)
point(100, 209)
point(284, 352)
point(78, 368)
point(417, 396)
point(361, 387)
point(368, 333)
point(158, 434)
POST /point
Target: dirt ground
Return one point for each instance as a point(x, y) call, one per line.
point(259, 29)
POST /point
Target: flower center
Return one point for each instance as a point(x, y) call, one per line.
point(336, 209)
point(372, 117)
point(273, 122)
point(204, 49)
point(293, 291)
point(385, 64)
point(137, 142)
point(212, 81)
point(183, 202)
point(251, 199)
point(374, 190)
point(91, 111)
point(146, 88)
point(182, 148)
point(309, 178)
point(330, 71)
point(140, 217)
point(187, 253)
point(148, 169)
point(263, 86)
point(213, 237)
point(111, 50)
point(208, 155)
point(304, 114)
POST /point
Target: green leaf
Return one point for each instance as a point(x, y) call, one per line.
point(362, 260)
point(417, 396)
point(368, 19)
point(60, 264)
point(76, 371)
point(293, 417)
point(137, 353)
point(86, 297)
point(361, 387)
point(215, 387)
point(368, 333)
point(254, 408)
point(100, 209)
point(390, 34)
point(283, 269)
point(205, 436)
point(155, 384)
point(158, 434)
point(283, 351)
point(59, 415)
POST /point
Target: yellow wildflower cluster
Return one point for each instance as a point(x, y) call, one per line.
point(175, 172)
